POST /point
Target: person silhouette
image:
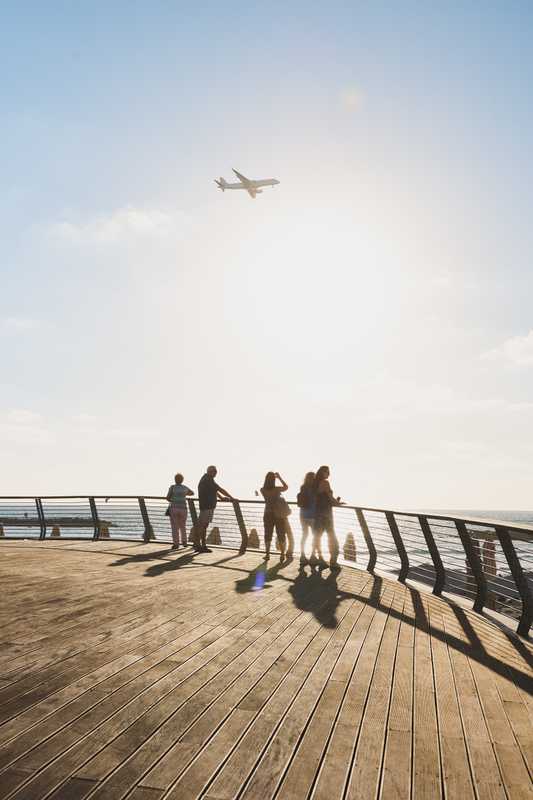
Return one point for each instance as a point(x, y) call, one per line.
point(276, 511)
point(325, 501)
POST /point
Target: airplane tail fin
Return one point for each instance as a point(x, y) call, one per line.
point(221, 183)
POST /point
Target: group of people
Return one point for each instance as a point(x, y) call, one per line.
point(315, 501)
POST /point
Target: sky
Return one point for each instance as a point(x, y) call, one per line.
point(372, 312)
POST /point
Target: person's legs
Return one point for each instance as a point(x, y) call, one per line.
point(290, 538)
point(306, 526)
point(281, 532)
point(182, 525)
point(318, 530)
point(204, 518)
point(268, 524)
point(174, 525)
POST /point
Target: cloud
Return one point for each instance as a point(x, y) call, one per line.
point(89, 425)
point(21, 426)
point(122, 226)
point(19, 324)
point(516, 351)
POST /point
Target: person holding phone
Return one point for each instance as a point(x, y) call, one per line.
point(276, 512)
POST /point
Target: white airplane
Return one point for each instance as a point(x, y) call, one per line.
point(252, 187)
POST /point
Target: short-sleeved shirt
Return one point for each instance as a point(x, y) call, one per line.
point(207, 493)
point(177, 493)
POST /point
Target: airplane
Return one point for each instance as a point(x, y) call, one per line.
point(251, 186)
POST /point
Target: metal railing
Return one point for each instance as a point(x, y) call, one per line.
point(488, 562)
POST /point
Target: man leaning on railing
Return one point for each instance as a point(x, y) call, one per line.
point(209, 492)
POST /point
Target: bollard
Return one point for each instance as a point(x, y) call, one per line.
point(214, 537)
point(104, 530)
point(253, 539)
point(350, 549)
point(56, 533)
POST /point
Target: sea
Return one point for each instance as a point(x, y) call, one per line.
point(515, 517)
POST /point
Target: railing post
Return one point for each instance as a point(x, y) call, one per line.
point(242, 526)
point(96, 521)
point(372, 552)
point(475, 564)
point(148, 530)
point(194, 520)
point(192, 512)
point(526, 618)
point(42, 520)
point(440, 574)
point(400, 547)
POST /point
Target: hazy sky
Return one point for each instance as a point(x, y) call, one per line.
point(373, 311)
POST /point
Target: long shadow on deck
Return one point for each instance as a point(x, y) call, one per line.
point(321, 596)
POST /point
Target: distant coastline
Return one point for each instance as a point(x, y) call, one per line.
point(515, 516)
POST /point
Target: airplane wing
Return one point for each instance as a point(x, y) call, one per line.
point(241, 177)
point(251, 191)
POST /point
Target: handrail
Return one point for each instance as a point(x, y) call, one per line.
point(487, 561)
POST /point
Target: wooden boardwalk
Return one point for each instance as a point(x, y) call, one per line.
point(132, 671)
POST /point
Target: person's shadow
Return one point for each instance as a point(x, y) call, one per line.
point(321, 596)
point(260, 578)
point(168, 566)
point(138, 558)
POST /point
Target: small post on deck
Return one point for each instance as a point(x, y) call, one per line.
point(242, 527)
point(440, 574)
point(372, 552)
point(400, 547)
point(474, 562)
point(521, 582)
point(148, 530)
point(40, 514)
point(96, 521)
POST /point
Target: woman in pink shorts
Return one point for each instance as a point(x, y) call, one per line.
point(178, 511)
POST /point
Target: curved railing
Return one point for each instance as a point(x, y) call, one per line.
point(488, 562)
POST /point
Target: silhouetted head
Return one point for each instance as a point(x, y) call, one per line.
point(178, 477)
point(322, 474)
point(270, 480)
point(309, 479)
point(211, 471)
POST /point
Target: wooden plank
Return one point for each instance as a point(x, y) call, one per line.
point(336, 764)
point(265, 713)
point(286, 648)
point(456, 772)
point(426, 755)
point(396, 771)
point(300, 775)
point(365, 775)
point(219, 693)
point(89, 744)
point(158, 733)
point(483, 764)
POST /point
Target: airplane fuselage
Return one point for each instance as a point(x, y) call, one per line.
point(253, 187)
point(251, 184)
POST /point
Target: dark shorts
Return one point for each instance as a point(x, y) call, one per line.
point(278, 523)
point(324, 524)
